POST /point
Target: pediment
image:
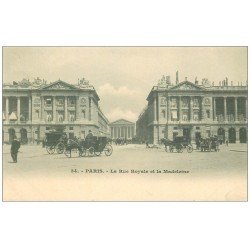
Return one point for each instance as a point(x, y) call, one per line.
point(187, 86)
point(59, 85)
point(121, 122)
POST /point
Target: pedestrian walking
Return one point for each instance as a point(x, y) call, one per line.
point(14, 149)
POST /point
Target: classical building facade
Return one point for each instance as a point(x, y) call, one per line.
point(193, 111)
point(122, 129)
point(31, 110)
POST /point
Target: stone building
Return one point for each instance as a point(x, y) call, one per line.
point(194, 110)
point(32, 109)
point(122, 129)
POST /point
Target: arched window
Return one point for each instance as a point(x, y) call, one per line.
point(37, 114)
point(83, 114)
point(163, 113)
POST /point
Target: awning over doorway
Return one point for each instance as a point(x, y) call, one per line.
point(13, 116)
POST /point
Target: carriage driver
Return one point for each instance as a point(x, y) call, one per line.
point(89, 136)
point(89, 139)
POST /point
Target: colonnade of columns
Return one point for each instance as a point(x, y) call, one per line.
point(122, 132)
point(201, 108)
point(7, 111)
point(17, 108)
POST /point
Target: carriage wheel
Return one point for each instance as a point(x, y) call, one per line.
point(97, 153)
point(180, 149)
point(82, 152)
point(189, 148)
point(50, 149)
point(108, 150)
point(91, 151)
point(67, 152)
point(171, 149)
point(60, 148)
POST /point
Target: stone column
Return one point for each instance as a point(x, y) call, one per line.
point(237, 135)
point(214, 99)
point(77, 107)
point(7, 108)
point(54, 109)
point(66, 108)
point(225, 109)
point(179, 107)
point(116, 133)
point(236, 109)
point(191, 109)
point(18, 108)
point(246, 107)
point(202, 109)
point(155, 109)
point(168, 109)
point(30, 109)
point(42, 108)
point(90, 107)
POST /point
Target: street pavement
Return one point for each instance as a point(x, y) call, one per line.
point(131, 173)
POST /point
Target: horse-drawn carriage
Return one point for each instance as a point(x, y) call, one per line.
point(178, 144)
point(89, 147)
point(55, 141)
point(209, 144)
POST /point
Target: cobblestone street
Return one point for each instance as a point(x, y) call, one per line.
point(132, 172)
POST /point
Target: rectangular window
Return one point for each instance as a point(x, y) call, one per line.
point(60, 101)
point(174, 115)
point(72, 116)
point(71, 101)
point(71, 128)
point(173, 103)
point(185, 116)
point(60, 116)
point(184, 102)
point(49, 117)
point(196, 103)
point(196, 116)
point(48, 101)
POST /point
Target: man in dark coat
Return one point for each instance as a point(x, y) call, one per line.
point(14, 149)
point(89, 139)
point(89, 135)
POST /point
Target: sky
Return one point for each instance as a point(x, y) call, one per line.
point(124, 76)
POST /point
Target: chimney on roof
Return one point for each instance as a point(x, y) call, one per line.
point(177, 78)
point(226, 82)
point(196, 81)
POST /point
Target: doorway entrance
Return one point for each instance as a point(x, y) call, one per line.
point(232, 135)
point(243, 135)
point(186, 133)
point(24, 138)
point(221, 135)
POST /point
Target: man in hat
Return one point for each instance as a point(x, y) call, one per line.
point(89, 135)
point(89, 138)
point(14, 149)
